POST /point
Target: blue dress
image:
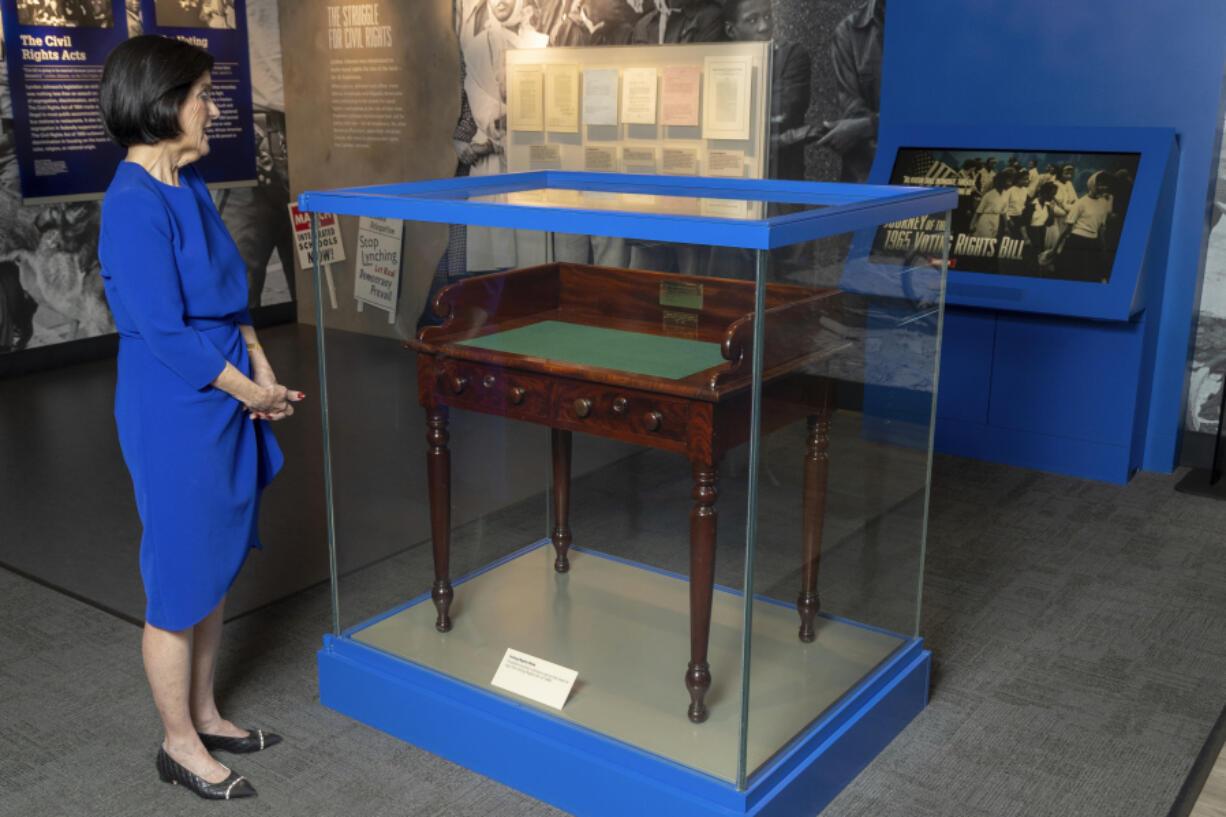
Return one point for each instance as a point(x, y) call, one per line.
point(178, 289)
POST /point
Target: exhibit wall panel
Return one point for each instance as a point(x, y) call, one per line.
point(52, 308)
point(367, 96)
point(1158, 65)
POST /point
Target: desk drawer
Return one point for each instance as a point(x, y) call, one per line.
point(492, 390)
point(619, 413)
point(605, 411)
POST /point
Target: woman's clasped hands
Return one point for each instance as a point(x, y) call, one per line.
point(272, 401)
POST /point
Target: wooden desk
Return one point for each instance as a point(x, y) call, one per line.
point(656, 359)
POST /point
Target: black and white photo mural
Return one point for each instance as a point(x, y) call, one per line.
point(827, 67)
point(1208, 371)
point(826, 89)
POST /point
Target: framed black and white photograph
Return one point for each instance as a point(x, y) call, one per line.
point(1055, 221)
point(65, 13)
point(1040, 214)
point(196, 13)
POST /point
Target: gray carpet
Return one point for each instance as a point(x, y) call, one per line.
point(1077, 629)
point(1079, 636)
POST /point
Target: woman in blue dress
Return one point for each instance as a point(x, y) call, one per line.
point(193, 397)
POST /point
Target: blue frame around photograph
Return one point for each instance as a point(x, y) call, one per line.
point(841, 208)
point(1127, 293)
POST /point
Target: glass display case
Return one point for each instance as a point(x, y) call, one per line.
point(641, 533)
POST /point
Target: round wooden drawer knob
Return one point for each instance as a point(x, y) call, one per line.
point(653, 420)
point(583, 407)
point(488, 381)
point(459, 383)
point(516, 395)
point(619, 405)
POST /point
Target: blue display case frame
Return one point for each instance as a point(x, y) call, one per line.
point(843, 207)
point(590, 774)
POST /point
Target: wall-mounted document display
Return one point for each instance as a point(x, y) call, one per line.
point(694, 109)
point(727, 89)
point(525, 103)
point(1039, 214)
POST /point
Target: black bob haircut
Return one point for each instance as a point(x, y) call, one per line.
point(145, 81)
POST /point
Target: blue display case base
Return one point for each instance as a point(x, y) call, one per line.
point(590, 775)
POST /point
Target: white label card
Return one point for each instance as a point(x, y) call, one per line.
point(599, 159)
point(683, 161)
point(534, 678)
point(546, 154)
point(725, 162)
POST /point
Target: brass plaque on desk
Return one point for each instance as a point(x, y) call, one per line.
point(681, 294)
point(681, 324)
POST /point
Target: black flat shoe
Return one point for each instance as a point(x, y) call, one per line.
point(232, 788)
point(256, 740)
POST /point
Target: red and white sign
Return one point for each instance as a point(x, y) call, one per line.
point(331, 249)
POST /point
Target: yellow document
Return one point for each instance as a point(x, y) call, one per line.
point(526, 109)
point(562, 98)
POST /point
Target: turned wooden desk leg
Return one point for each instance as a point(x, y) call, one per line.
point(816, 460)
point(561, 443)
point(702, 583)
point(438, 469)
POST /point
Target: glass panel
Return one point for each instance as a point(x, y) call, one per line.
point(379, 438)
point(556, 421)
point(672, 205)
point(849, 379)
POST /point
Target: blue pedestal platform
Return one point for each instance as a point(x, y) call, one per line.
point(589, 774)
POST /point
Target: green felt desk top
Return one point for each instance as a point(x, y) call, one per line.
point(651, 355)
